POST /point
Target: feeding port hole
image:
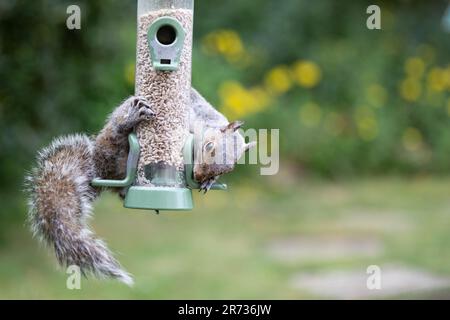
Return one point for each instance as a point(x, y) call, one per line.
point(166, 35)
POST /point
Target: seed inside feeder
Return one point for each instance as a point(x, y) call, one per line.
point(162, 139)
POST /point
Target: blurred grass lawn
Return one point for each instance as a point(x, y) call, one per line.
point(219, 250)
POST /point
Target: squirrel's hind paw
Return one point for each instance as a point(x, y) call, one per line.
point(207, 184)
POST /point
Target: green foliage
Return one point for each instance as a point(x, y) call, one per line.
point(382, 102)
point(56, 81)
point(340, 98)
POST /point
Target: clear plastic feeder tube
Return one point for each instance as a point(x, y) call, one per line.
point(145, 6)
point(163, 76)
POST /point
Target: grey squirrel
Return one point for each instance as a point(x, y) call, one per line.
point(61, 196)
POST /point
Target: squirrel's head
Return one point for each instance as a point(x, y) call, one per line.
point(218, 149)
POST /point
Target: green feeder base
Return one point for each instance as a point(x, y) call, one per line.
point(159, 198)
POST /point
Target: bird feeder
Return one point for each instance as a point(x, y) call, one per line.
point(160, 162)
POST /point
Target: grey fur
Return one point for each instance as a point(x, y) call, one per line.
point(202, 113)
point(60, 195)
point(210, 126)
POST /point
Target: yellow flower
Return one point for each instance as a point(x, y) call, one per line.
point(366, 123)
point(414, 67)
point(230, 43)
point(225, 42)
point(410, 89)
point(436, 80)
point(233, 98)
point(129, 73)
point(307, 73)
point(412, 139)
point(310, 114)
point(376, 95)
point(237, 101)
point(278, 80)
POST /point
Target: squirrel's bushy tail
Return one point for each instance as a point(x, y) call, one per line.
point(60, 198)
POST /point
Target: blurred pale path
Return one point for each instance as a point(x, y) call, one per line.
point(238, 244)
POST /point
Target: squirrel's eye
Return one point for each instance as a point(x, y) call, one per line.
point(209, 146)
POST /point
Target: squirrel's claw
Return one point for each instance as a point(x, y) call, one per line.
point(145, 111)
point(132, 112)
point(207, 184)
point(203, 187)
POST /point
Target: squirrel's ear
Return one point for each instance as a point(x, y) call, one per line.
point(235, 125)
point(250, 145)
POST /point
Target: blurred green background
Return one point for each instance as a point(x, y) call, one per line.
point(364, 140)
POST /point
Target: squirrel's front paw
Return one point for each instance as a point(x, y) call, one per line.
point(144, 110)
point(130, 113)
